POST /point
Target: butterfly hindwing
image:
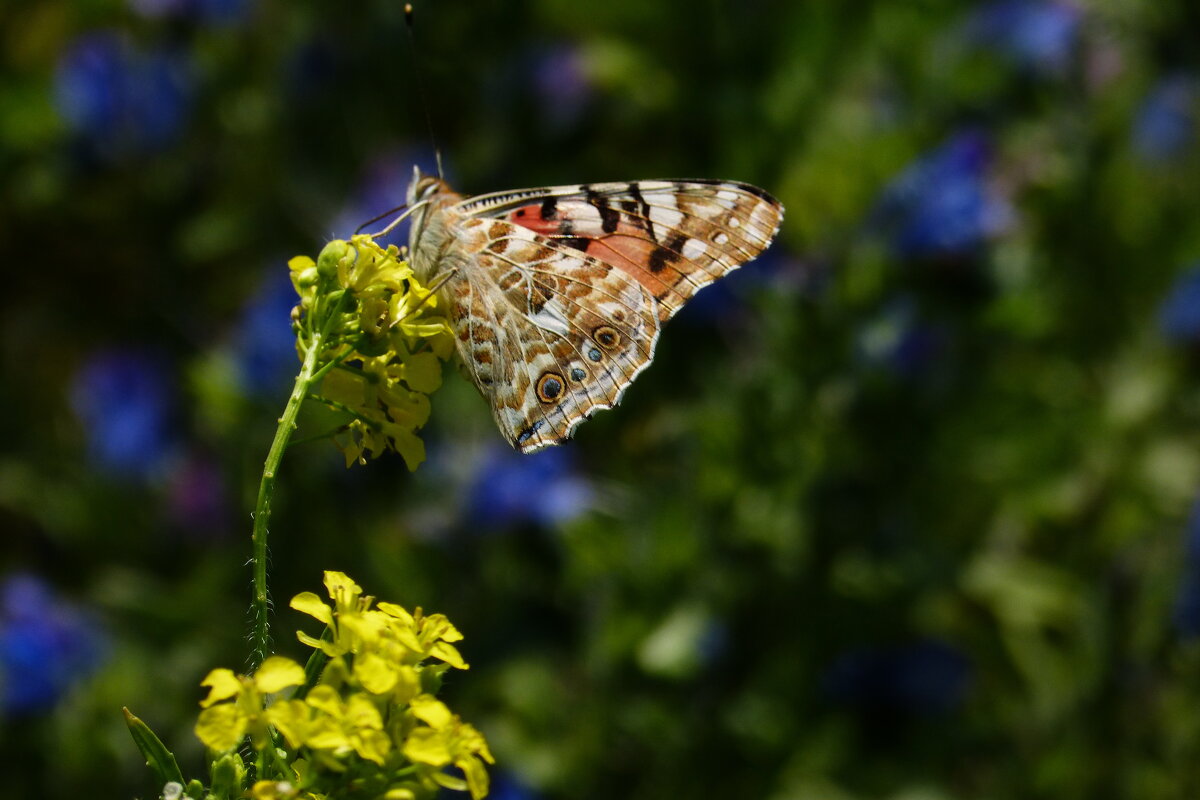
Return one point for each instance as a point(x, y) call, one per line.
point(548, 334)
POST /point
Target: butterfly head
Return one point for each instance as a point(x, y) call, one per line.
point(424, 187)
point(427, 194)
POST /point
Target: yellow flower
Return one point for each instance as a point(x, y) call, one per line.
point(382, 327)
point(323, 722)
point(430, 636)
point(387, 641)
point(448, 740)
point(222, 725)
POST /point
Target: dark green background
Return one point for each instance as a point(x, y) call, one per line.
point(882, 521)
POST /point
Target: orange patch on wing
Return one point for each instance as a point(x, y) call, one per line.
point(631, 254)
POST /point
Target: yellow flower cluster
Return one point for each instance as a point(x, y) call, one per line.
point(370, 719)
point(380, 328)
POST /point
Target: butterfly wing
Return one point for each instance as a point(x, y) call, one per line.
point(558, 294)
point(673, 237)
point(549, 334)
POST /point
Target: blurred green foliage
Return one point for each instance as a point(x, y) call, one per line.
point(902, 511)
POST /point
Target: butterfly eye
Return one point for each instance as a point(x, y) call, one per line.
point(607, 337)
point(549, 386)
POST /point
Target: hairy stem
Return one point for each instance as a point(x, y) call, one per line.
point(260, 610)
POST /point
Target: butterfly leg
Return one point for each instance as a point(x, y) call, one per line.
point(437, 283)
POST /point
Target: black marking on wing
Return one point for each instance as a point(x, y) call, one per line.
point(610, 218)
point(668, 253)
point(549, 207)
point(528, 433)
point(643, 210)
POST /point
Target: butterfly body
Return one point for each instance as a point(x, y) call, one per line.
point(557, 295)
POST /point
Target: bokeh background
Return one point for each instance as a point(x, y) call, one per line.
point(906, 509)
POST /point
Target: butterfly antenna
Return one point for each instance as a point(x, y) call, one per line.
point(400, 218)
point(420, 81)
point(375, 219)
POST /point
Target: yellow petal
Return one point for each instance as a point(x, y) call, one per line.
point(309, 603)
point(376, 675)
point(372, 745)
point(345, 387)
point(366, 626)
point(300, 263)
point(291, 718)
point(277, 673)
point(399, 612)
point(477, 777)
point(427, 746)
point(438, 626)
point(328, 648)
point(222, 684)
point(472, 741)
point(423, 372)
point(221, 727)
point(410, 447)
point(325, 735)
point(447, 653)
point(408, 685)
point(431, 711)
point(362, 713)
point(449, 781)
point(325, 698)
point(340, 587)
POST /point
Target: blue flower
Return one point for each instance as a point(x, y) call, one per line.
point(264, 346)
point(1179, 314)
point(1165, 124)
point(511, 489)
point(1186, 615)
point(506, 786)
point(928, 677)
point(944, 204)
point(124, 402)
point(212, 12)
point(1040, 37)
point(46, 646)
point(561, 84)
point(120, 101)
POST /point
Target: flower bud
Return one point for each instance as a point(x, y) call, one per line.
point(331, 254)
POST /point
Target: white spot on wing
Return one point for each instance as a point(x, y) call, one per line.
point(693, 249)
point(551, 318)
point(665, 220)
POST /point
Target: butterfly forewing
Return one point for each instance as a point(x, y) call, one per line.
point(674, 237)
point(557, 295)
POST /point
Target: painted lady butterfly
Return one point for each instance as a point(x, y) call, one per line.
point(557, 295)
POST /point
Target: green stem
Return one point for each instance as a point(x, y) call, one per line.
point(261, 609)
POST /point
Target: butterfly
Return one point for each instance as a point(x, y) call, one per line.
point(557, 295)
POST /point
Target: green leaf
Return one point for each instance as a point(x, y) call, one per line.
point(157, 756)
